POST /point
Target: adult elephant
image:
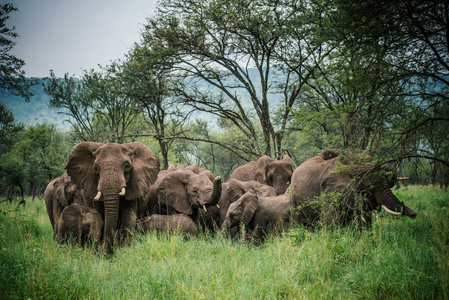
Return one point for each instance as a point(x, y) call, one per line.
point(81, 222)
point(60, 193)
point(272, 172)
point(231, 191)
point(113, 177)
point(152, 205)
point(184, 192)
point(337, 187)
point(260, 215)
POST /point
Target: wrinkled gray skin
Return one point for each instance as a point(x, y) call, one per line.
point(152, 203)
point(348, 175)
point(82, 222)
point(102, 171)
point(272, 172)
point(185, 192)
point(260, 215)
point(60, 193)
point(169, 223)
point(231, 191)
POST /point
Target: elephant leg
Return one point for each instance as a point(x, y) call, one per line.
point(128, 218)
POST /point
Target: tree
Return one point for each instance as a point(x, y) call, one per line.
point(416, 33)
point(69, 94)
point(9, 129)
point(12, 78)
point(230, 63)
point(146, 75)
point(97, 106)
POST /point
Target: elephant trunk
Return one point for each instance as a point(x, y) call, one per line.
point(216, 193)
point(226, 225)
point(391, 203)
point(111, 209)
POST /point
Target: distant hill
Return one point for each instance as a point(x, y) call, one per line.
point(35, 111)
point(38, 110)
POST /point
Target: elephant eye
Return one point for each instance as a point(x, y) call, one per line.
point(128, 167)
point(96, 169)
point(195, 191)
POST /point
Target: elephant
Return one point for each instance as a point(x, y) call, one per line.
point(152, 204)
point(82, 222)
point(183, 191)
point(60, 193)
point(114, 177)
point(231, 191)
point(260, 215)
point(170, 223)
point(337, 187)
point(194, 168)
point(272, 172)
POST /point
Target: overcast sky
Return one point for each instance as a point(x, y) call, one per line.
point(68, 36)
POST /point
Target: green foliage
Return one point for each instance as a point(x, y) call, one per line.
point(39, 155)
point(12, 77)
point(398, 258)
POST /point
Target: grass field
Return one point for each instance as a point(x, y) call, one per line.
point(399, 258)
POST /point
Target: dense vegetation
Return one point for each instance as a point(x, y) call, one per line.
point(218, 83)
point(398, 258)
point(288, 76)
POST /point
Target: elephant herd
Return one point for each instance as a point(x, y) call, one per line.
point(112, 190)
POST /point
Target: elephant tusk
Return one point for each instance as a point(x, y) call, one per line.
point(98, 196)
point(403, 178)
point(390, 211)
point(122, 192)
point(217, 205)
point(204, 207)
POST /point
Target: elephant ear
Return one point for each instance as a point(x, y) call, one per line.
point(260, 170)
point(58, 186)
point(80, 167)
point(330, 154)
point(209, 175)
point(145, 171)
point(235, 190)
point(172, 191)
point(250, 203)
point(289, 160)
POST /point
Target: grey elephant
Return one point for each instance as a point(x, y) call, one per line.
point(184, 192)
point(272, 172)
point(337, 187)
point(169, 223)
point(260, 215)
point(60, 193)
point(80, 222)
point(114, 177)
point(231, 191)
point(152, 205)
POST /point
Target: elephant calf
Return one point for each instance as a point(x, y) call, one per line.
point(82, 222)
point(260, 215)
point(169, 222)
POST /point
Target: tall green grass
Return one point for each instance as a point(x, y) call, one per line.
point(398, 258)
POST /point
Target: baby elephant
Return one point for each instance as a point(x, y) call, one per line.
point(260, 215)
point(81, 222)
point(169, 222)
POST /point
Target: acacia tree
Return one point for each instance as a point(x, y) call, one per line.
point(416, 33)
point(146, 75)
point(97, 106)
point(230, 61)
